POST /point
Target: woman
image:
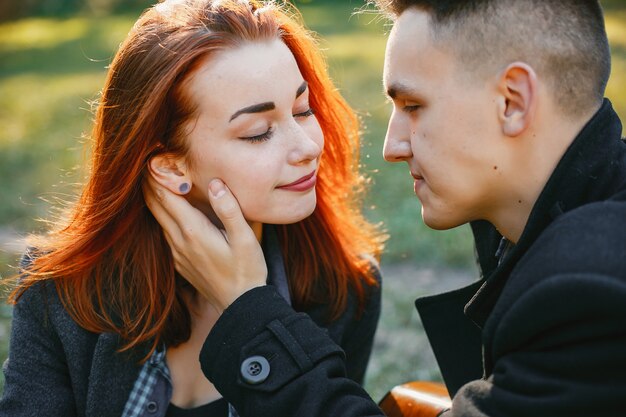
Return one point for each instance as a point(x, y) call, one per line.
point(236, 90)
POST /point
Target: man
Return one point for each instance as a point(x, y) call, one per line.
point(499, 113)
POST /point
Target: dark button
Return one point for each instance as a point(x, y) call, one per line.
point(255, 370)
point(152, 407)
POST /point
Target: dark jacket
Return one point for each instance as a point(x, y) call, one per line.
point(543, 333)
point(56, 368)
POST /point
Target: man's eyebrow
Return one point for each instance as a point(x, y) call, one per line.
point(302, 89)
point(255, 108)
point(398, 89)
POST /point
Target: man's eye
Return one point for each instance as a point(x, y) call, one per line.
point(410, 107)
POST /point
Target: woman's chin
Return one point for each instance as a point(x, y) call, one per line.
point(285, 216)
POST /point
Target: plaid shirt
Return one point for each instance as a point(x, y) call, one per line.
point(152, 391)
point(154, 379)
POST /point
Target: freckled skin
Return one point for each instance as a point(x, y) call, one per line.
point(236, 79)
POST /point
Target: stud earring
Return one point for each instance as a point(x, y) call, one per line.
point(184, 187)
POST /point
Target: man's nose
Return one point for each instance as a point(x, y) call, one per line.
point(397, 147)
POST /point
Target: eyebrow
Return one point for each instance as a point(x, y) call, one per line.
point(302, 88)
point(399, 89)
point(255, 108)
point(267, 106)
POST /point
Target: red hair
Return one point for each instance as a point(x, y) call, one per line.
point(110, 263)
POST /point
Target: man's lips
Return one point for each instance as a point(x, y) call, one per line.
point(418, 183)
point(301, 184)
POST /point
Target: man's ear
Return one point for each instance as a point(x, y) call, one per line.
point(518, 98)
point(171, 172)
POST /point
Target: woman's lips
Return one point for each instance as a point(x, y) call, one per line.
point(302, 184)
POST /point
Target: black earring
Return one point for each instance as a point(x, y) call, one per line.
point(184, 188)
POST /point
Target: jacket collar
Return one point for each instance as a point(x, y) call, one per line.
point(111, 378)
point(588, 171)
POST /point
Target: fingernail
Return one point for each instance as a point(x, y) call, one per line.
point(217, 188)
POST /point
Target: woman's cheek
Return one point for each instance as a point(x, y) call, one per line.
point(247, 198)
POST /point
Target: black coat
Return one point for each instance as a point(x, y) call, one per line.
point(553, 312)
point(58, 369)
point(543, 335)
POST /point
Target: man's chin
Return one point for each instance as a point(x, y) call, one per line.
point(438, 222)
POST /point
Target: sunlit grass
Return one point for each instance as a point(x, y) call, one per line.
point(41, 33)
point(616, 90)
point(50, 71)
point(36, 103)
point(45, 33)
point(616, 29)
point(43, 120)
point(51, 68)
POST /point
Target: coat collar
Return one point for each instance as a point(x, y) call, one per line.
point(111, 378)
point(588, 171)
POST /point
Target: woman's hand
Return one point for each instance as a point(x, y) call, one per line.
point(220, 264)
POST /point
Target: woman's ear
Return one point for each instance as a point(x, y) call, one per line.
point(171, 172)
point(518, 98)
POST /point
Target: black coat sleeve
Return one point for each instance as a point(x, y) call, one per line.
point(559, 351)
point(307, 369)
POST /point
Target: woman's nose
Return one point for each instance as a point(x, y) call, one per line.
point(307, 145)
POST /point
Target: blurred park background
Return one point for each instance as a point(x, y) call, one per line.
point(53, 58)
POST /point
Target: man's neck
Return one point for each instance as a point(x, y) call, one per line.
point(542, 148)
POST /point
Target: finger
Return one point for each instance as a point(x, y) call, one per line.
point(229, 212)
point(188, 219)
point(153, 196)
point(184, 224)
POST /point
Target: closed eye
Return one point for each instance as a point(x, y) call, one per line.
point(411, 109)
point(308, 113)
point(259, 138)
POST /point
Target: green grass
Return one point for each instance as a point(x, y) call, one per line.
point(5, 318)
point(51, 69)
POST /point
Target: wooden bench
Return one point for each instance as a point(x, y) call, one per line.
point(416, 399)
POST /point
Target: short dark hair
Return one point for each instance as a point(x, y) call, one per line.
point(565, 41)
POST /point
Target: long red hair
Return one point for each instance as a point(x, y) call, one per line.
point(109, 260)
